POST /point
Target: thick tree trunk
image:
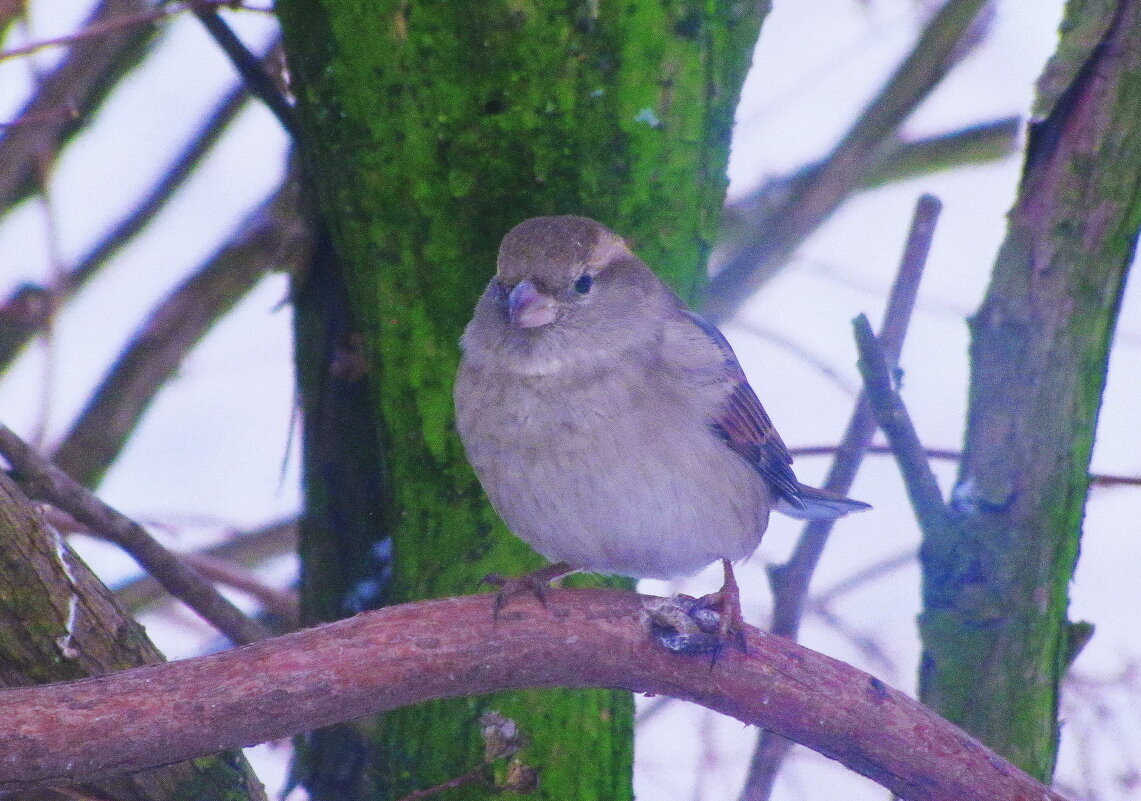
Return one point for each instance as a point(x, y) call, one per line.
point(996, 641)
point(430, 129)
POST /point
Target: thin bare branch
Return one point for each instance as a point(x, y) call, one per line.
point(175, 176)
point(282, 604)
point(42, 480)
point(790, 581)
point(103, 27)
point(892, 417)
point(975, 144)
point(249, 67)
point(247, 549)
point(947, 454)
point(453, 647)
point(862, 577)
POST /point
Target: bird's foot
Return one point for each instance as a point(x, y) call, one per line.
point(536, 583)
point(726, 605)
point(684, 624)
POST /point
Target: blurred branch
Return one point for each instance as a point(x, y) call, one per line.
point(750, 218)
point(181, 168)
point(102, 28)
point(976, 144)
point(402, 655)
point(25, 313)
point(809, 201)
point(865, 575)
point(43, 481)
point(282, 604)
point(67, 97)
point(14, 336)
point(818, 363)
point(829, 450)
point(246, 548)
point(275, 236)
point(790, 581)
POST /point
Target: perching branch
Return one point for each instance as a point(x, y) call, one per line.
point(43, 481)
point(402, 655)
point(790, 580)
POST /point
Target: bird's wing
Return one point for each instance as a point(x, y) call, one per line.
point(741, 421)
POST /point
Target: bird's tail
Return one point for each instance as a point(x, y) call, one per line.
point(819, 504)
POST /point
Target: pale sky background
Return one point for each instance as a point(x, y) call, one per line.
point(209, 456)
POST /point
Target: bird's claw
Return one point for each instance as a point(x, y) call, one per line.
point(536, 583)
point(689, 625)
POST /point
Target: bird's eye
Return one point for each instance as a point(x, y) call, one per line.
point(583, 283)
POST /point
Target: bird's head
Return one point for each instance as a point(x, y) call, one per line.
point(566, 289)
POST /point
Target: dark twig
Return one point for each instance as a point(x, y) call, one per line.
point(790, 581)
point(45, 482)
point(275, 236)
point(809, 203)
point(831, 450)
point(477, 775)
point(892, 417)
point(250, 68)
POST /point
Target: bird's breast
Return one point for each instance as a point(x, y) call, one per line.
point(611, 476)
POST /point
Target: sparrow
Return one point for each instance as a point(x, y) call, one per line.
point(612, 428)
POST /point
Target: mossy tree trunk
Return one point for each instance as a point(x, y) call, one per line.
point(429, 129)
point(995, 635)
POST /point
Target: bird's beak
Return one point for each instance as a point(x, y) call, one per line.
point(527, 307)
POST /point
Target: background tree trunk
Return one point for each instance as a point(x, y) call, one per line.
point(429, 130)
point(995, 581)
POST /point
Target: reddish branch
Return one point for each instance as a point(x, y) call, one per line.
point(378, 661)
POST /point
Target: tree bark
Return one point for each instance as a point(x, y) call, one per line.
point(429, 130)
point(995, 582)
